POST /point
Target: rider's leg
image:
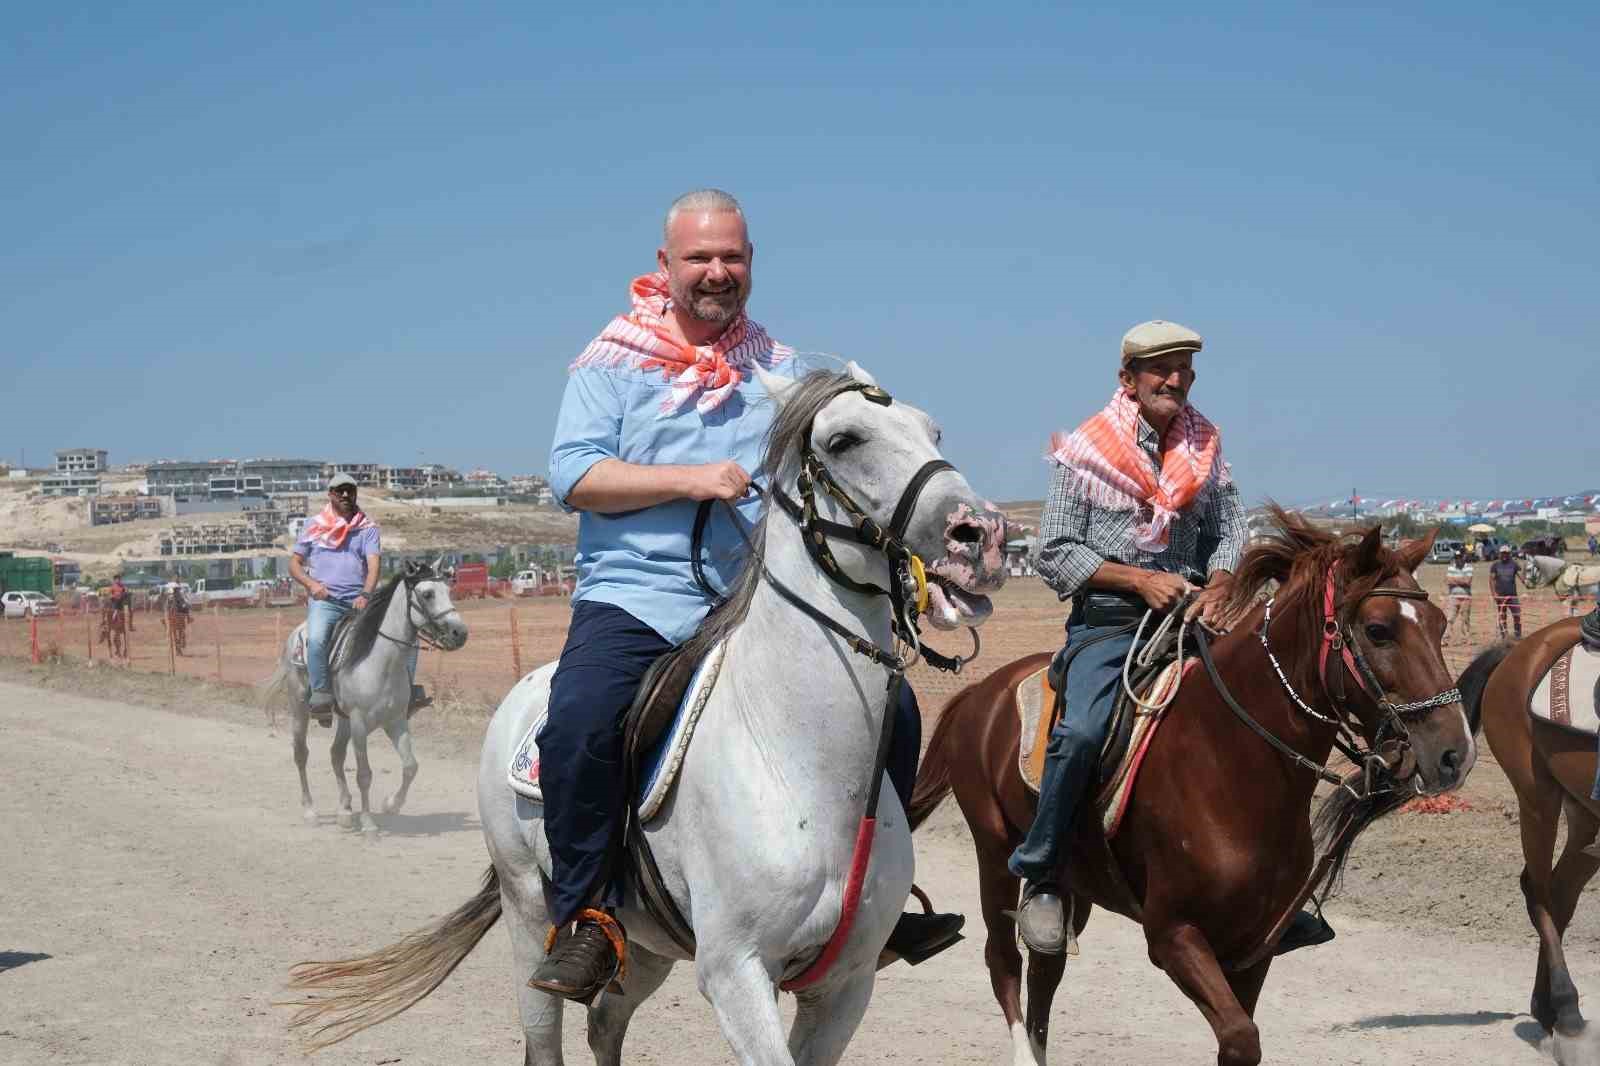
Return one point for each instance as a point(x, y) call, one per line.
point(321, 617)
point(1091, 685)
point(1515, 603)
point(916, 936)
point(581, 773)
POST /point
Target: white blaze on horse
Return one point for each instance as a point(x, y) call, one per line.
point(1575, 585)
point(368, 667)
point(755, 845)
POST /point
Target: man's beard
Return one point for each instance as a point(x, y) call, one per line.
point(718, 307)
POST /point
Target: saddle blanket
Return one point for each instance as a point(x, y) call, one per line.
point(1035, 705)
point(660, 765)
point(1566, 695)
point(336, 650)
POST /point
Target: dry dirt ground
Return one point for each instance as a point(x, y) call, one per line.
point(157, 884)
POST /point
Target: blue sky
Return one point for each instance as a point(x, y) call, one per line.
point(383, 232)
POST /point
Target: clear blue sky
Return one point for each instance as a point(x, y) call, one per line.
point(383, 233)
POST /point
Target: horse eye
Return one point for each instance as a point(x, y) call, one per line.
point(842, 442)
point(1379, 634)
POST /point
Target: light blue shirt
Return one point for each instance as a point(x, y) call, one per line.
point(639, 560)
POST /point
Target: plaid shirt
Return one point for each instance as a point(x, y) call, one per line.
point(1076, 536)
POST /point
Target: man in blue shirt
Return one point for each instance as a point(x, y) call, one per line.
point(661, 411)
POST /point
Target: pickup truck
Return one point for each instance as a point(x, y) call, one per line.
point(225, 597)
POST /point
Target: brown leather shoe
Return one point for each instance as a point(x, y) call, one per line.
point(582, 962)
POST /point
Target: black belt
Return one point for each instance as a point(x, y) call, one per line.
point(1100, 608)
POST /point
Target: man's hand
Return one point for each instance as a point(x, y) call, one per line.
point(361, 602)
point(725, 480)
point(1207, 606)
point(1163, 591)
point(318, 590)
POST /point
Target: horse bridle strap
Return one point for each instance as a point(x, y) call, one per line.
point(1337, 636)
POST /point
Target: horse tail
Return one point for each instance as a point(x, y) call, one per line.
point(1475, 678)
point(356, 994)
point(933, 778)
point(275, 689)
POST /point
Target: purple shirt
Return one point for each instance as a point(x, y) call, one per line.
point(342, 569)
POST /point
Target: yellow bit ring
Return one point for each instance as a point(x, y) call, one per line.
point(921, 574)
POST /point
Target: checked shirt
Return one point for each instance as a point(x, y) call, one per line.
point(1076, 535)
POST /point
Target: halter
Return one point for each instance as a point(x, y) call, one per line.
point(1391, 746)
point(427, 632)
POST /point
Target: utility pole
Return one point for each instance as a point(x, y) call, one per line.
point(1355, 504)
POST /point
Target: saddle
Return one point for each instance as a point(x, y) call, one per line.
point(1040, 702)
point(338, 646)
point(1575, 671)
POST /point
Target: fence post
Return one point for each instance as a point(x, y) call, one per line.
point(172, 640)
point(33, 635)
point(216, 634)
point(516, 645)
point(88, 632)
point(61, 631)
point(277, 631)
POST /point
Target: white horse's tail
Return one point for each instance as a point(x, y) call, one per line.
point(358, 993)
point(275, 689)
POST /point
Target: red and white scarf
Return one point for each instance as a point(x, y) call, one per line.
point(330, 531)
point(1118, 476)
point(707, 374)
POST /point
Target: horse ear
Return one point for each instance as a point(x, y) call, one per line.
point(777, 386)
point(854, 369)
point(1413, 552)
point(1369, 553)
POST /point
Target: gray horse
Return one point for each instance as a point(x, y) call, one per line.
point(371, 683)
point(1574, 585)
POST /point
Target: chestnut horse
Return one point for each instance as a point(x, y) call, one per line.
point(1551, 769)
point(1215, 853)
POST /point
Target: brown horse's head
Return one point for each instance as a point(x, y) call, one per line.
point(1383, 671)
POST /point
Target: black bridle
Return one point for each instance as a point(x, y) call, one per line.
point(428, 632)
point(908, 581)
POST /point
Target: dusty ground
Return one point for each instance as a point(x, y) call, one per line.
point(158, 883)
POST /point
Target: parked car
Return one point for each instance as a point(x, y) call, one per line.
point(1444, 551)
point(27, 604)
point(1550, 545)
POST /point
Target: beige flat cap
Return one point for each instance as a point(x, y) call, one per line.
point(1156, 337)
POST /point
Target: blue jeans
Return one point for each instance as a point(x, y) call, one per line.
point(1073, 756)
point(581, 772)
point(321, 617)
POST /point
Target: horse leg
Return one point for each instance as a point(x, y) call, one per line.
point(358, 739)
point(300, 722)
point(608, 1018)
point(1044, 977)
point(1554, 997)
point(1572, 872)
point(341, 743)
point(741, 993)
point(400, 735)
point(824, 1021)
point(522, 901)
point(1182, 951)
point(1246, 984)
point(998, 892)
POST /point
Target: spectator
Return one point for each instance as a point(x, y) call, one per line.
point(1594, 546)
point(1503, 575)
point(1458, 592)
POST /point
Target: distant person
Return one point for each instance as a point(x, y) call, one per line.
point(1594, 546)
point(1458, 591)
point(336, 560)
point(121, 601)
point(1503, 576)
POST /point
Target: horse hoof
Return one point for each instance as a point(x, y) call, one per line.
point(346, 820)
point(308, 816)
point(391, 805)
point(370, 831)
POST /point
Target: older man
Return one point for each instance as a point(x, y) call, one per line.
point(1141, 510)
point(661, 411)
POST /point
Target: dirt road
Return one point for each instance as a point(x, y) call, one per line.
point(156, 883)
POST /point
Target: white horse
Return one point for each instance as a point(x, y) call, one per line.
point(1568, 580)
point(756, 842)
point(372, 684)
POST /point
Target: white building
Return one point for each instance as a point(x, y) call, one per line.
point(81, 461)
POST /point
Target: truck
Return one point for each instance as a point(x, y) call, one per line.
point(471, 579)
point(23, 573)
point(221, 592)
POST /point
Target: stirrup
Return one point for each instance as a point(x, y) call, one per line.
point(920, 952)
point(617, 940)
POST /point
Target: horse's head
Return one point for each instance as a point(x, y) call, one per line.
point(1402, 693)
point(428, 602)
point(883, 457)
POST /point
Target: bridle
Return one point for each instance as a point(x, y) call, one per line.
point(1390, 753)
point(429, 632)
point(908, 580)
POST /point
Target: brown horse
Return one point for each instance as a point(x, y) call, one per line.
point(1551, 769)
point(1216, 853)
point(114, 630)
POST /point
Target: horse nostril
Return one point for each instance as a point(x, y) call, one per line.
point(1451, 760)
point(966, 533)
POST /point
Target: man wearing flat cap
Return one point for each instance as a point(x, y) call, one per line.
point(336, 561)
point(1141, 511)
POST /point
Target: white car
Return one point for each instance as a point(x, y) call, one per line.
point(27, 604)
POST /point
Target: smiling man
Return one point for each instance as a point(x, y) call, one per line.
point(662, 410)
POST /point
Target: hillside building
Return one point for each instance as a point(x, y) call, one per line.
point(81, 461)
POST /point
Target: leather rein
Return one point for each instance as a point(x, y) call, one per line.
point(425, 634)
point(1390, 756)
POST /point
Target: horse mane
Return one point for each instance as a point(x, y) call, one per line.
point(800, 407)
point(1293, 560)
point(368, 620)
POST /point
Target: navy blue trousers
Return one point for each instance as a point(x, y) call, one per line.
point(581, 774)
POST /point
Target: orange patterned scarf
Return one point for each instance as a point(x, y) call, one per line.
point(707, 374)
point(1117, 475)
point(331, 531)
